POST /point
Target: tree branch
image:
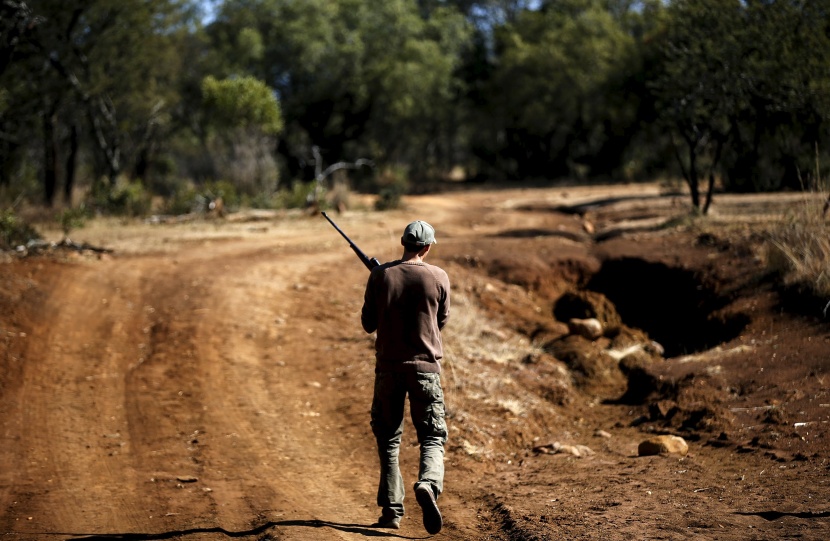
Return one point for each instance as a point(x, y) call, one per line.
point(320, 174)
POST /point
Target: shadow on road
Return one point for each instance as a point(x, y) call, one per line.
point(775, 515)
point(361, 529)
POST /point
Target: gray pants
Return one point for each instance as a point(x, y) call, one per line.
point(426, 404)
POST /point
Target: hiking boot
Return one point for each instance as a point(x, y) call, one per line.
point(388, 521)
point(432, 516)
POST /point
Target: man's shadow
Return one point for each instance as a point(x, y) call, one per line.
point(775, 515)
point(362, 529)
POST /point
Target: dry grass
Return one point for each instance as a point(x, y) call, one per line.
point(799, 249)
point(482, 366)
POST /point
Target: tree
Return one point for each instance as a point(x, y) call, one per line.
point(743, 88)
point(700, 88)
point(354, 77)
point(110, 59)
point(16, 24)
point(241, 102)
point(786, 51)
point(243, 114)
point(548, 97)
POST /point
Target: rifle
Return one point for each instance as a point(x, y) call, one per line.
point(370, 263)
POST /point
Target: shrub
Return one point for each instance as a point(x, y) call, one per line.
point(183, 200)
point(297, 196)
point(389, 197)
point(262, 200)
point(13, 231)
point(73, 218)
point(224, 189)
point(799, 250)
point(125, 199)
point(393, 185)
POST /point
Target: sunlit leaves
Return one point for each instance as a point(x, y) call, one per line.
point(241, 102)
point(551, 82)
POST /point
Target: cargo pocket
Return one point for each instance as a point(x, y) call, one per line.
point(428, 408)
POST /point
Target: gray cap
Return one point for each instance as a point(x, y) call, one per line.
point(419, 233)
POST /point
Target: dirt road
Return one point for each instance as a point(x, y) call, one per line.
point(211, 381)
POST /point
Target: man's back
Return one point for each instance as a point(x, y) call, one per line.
point(407, 303)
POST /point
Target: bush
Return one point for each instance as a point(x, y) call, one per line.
point(799, 250)
point(73, 218)
point(389, 197)
point(297, 196)
point(125, 199)
point(23, 184)
point(183, 201)
point(224, 189)
point(261, 200)
point(13, 231)
point(393, 186)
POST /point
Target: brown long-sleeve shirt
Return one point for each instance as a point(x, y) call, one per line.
point(407, 303)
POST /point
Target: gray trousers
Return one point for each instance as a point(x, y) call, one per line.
point(426, 405)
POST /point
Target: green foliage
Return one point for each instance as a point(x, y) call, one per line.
point(553, 88)
point(389, 197)
point(106, 70)
point(261, 200)
point(241, 102)
point(355, 77)
point(250, 44)
point(188, 198)
point(21, 176)
point(297, 196)
point(183, 201)
point(785, 50)
point(128, 198)
point(224, 189)
point(393, 186)
point(242, 118)
point(74, 218)
point(13, 231)
point(587, 89)
point(745, 84)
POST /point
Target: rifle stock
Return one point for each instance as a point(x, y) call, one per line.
point(370, 263)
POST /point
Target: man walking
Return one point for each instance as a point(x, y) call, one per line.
point(408, 303)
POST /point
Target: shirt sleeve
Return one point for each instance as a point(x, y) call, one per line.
point(368, 314)
point(444, 301)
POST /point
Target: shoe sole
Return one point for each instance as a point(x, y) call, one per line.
point(432, 516)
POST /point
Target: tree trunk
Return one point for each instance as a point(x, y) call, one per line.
point(101, 113)
point(50, 158)
point(142, 164)
point(690, 174)
point(694, 180)
point(71, 160)
point(711, 190)
point(8, 147)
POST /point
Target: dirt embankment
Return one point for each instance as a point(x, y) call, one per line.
point(211, 380)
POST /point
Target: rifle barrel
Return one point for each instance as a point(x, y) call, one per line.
point(326, 216)
point(370, 263)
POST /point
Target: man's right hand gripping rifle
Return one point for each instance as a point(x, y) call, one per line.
point(370, 263)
